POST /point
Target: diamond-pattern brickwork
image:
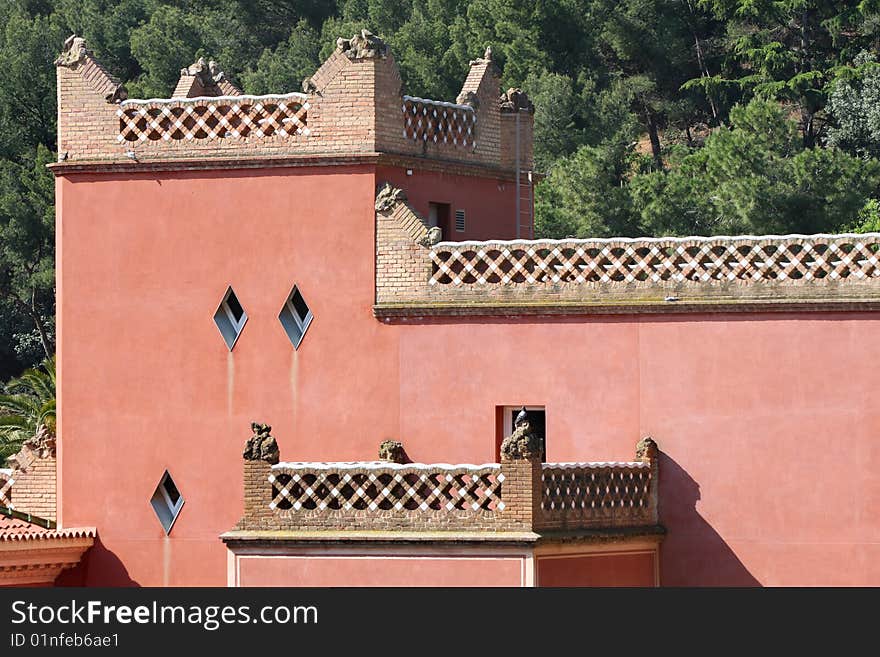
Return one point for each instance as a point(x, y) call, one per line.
point(436, 122)
point(795, 258)
point(434, 489)
point(196, 119)
point(596, 494)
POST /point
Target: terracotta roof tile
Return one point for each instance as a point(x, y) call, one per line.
point(13, 529)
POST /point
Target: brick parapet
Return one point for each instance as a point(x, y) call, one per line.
point(695, 274)
point(517, 495)
point(354, 104)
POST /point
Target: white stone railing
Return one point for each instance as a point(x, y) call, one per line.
point(6, 482)
point(382, 486)
point(437, 122)
point(216, 117)
point(603, 494)
point(798, 259)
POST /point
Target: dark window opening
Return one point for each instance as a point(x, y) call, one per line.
point(438, 215)
point(234, 306)
point(299, 305)
point(505, 421)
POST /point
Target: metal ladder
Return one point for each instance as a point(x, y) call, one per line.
point(525, 197)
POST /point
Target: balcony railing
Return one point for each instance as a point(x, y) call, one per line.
point(596, 494)
point(514, 495)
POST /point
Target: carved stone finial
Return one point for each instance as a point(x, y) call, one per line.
point(516, 100)
point(309, 86)
point(208, 73)
point(523, 443)
point(261, 446)
point(73, 52)
point(485, 59)
point(468, 98)
point(393, 451)
point(432, 237)
point(365, 45)
point(647, 450)
point(387, 197)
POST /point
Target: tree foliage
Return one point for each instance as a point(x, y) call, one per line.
point(27, 408)
point(653, 116)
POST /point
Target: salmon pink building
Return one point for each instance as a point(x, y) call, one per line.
point(310, 339)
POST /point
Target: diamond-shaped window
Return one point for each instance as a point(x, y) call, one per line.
point(230, 318)
point(167, 502)
point(295, 317)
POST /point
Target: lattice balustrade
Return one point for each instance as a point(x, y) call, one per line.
point(436, 122)
point(221, 117)
point(587, 494)
point(747, 259)
point(380, 486)
point(6, 482)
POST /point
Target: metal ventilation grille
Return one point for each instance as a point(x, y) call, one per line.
point(459, 220)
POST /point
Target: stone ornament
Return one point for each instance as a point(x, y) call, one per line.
point(432, 237)
point(365, 45)
point(208, 73)
point(516, 100)
point(393, 452)
point(261, 446)
point(485, 59)
point(647, 450)
point(523, 443)
point(388, 196)
point(468, 98)
point(73, 52)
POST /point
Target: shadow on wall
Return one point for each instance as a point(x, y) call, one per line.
point(98, 563)
point(693, 553)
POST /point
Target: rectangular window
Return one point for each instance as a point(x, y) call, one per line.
point(505, 417)
point(459, 221)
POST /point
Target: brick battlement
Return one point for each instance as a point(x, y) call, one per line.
point(417, 275)
point(353, 104)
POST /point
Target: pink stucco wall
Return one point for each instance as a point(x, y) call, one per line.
point(370, 570)
point(765, 422)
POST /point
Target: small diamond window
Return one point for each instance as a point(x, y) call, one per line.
point(167, 502)
point(230, 318)
point(295, 317)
